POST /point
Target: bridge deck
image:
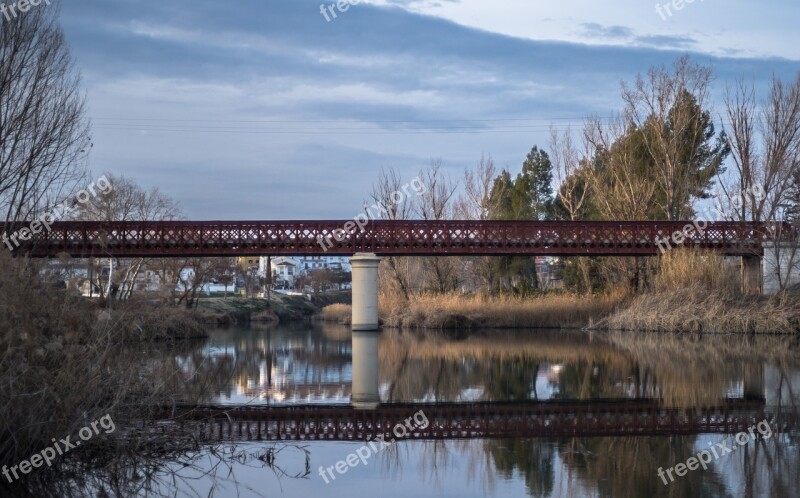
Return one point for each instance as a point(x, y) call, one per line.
point(421, 238)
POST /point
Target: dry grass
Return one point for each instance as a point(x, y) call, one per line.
point(339, 313)
point(698, 310)
point(441, 312)
point(698, 293)
point(147, 322)
point(679, 269)
point(455, 311)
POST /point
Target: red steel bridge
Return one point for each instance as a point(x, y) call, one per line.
point(475, 420)
point(391, 238)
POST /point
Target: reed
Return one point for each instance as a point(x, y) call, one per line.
point(680, 269)
point(339, 313)
point(699, 293)
point(698, 310)
point(451, 311)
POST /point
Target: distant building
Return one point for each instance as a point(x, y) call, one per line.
point(339, 263)
point(549, 272)
point(286, 269)
point(248, 262)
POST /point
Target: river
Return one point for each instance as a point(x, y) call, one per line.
point(578, 375)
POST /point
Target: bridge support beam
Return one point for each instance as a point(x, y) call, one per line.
point(365, 291)
point(752, 281)
point(365, 395)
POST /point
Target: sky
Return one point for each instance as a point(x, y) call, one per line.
point(270, 109)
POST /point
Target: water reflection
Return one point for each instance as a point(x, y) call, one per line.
point(570, 467)
point(329, 365)
point(365, 393)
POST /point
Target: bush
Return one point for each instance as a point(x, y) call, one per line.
point(63, 364)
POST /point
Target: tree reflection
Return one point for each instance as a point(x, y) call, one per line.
point(533, 459)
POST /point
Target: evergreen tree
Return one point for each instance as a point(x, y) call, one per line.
point(535, 184)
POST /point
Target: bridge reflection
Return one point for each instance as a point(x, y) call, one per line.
point(478, 420)
point(366, 418)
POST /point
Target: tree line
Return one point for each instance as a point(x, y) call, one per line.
point(660, 157)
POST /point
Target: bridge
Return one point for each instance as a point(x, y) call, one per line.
point(633, 417)
point(367, 240)
point(391, 238)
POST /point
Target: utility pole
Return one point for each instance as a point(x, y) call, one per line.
point(269, 277)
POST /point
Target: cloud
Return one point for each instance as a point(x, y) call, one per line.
point(667, 42)
point(594, 30)
point(265, 110)
point(622, 33)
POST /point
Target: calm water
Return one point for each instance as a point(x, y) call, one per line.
point(327, 365)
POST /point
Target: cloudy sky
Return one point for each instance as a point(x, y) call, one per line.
point(263, 109)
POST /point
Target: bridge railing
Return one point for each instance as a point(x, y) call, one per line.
point(400, 237)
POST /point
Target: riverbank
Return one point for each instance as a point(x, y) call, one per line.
point(695, 292)
point(443, 312)
point(234, 310)
point(700, 310)
point(690, 310)
point(66, 361)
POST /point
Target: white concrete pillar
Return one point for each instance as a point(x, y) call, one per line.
point(365, 395)
point(365, 291)
point(780, 265)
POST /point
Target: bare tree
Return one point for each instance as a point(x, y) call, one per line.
point(396, 270)
point(619, 190)
point(765, 140)
point(44, 132)
point(476, 203)
point(573, 174)
point(195, 273)
point(127, 201)
point(572, 193)
point(667, 107)
point(437, 204)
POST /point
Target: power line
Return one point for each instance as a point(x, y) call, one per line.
point(304, 121)
point(350, 127)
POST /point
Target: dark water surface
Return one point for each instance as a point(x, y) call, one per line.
point(315, 365)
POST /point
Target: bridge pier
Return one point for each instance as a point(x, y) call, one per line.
point(752, 282)
point(364, 392)
point(781, 267)
point(365, 291)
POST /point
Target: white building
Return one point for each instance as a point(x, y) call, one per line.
point(286, 269)
point(337, 263)
point(207, 288)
